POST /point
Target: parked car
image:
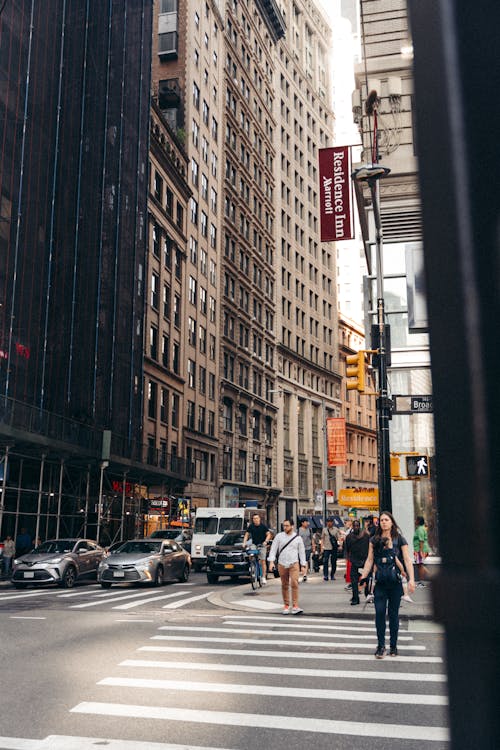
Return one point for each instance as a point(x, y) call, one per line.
point(228, 557)
point(152, 561)
point(183, 536)
point(61, 561)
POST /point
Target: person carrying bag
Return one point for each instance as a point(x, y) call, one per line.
point(288, 547)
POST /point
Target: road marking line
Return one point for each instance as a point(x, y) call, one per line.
point(135, 620)
point(63, 742)
point(280, 632)
point(261, 641)
point(283, 723)
point(301, 626)
point(125, 597)
point(18, 743)
point(363, 696)
point(299, 672)
point(24, 596)
point(285, 654)
point(152, 599)
point(26, 617)
point(176, 605)
point(303, 619)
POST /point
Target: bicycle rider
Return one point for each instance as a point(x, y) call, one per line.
point(260, 535)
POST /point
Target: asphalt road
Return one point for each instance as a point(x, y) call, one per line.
point(88, 668)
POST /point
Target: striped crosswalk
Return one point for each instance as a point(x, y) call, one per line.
point(262, 680)
point(120, 599)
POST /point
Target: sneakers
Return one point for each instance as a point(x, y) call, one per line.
point(421, 585)
point(297, 611)
point(285, 611)
point(393, 651)
point(304, 579)
point(370, 598)
point(348, 587)
point(325, 579)
point(263, 581)
point(354, 601)
point(380, 652)
point(408, 598)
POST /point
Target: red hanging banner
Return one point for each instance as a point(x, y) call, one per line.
point(336, 441)
point(335, 194)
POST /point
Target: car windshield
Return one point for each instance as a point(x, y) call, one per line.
point(55, 545)
point(226, 524)
point(165, 534)
point(143, 548)
point(230, 539)
point(206, 525)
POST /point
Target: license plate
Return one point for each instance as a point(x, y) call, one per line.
point(119, 573)
point(229, 566)
point(29, 574)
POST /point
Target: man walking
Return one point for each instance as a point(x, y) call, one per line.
point(329, 547)
point(288, 550)
point(260, 536)
point(309, 544)
point(356, 545)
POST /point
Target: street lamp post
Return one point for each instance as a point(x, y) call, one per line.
point(371, 174)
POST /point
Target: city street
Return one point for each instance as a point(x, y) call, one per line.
point(139, 669)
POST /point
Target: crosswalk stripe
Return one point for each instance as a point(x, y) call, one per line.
point(263, 721)
point(176, 605)
point(30, 595)
point(257, 604)
point(280, 692)
point(288, 671)
point(285, 654)
point(114, 599)
point(281, 642)
point(63, 742)
point(303, 619)
point(280, 632)
point(131, 605)
point(301, 625)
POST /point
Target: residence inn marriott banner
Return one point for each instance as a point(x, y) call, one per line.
point(335, 194)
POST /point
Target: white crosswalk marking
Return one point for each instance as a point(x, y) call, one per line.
point(183, 603)
point(281, 642)
point(282, 723)
point(284, 692)
point(281, 631)
point(261, 669)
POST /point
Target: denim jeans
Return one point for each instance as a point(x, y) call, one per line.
point(355, 575)
point(387, 599)
point(329, 554)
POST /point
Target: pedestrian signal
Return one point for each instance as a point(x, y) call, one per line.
point(356, 369)
point(417, 466)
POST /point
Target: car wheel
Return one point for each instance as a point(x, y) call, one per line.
point(159, 580)
point(69, 578)
point(185, 574)
point(212, 578)
point(105, 585)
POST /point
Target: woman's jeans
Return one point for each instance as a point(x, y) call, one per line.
point(387, 598)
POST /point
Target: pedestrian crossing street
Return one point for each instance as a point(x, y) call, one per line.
point(237, 681)
point(121, 599)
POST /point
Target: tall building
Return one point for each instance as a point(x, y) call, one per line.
point(248, 85)
point(385, 75)
point(74, 113)
point(308, 375)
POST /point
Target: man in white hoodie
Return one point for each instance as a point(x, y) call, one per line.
point(288, 547)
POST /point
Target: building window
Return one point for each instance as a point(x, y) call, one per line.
point(227, 462)
point(155, 285)
point(242, 466)
point(243, 420)
point(164, 395)
point(191, 373)
point(192, 290)
point(176, 358)
point(174, 415)
point(227, 414)
point(156, 240)
point(166, 301)
point(201, 419)
point(211, 386)
point(202, 382)
point(177, 310)
point(256, 425)
point(165, 351)
point(158, 187)
point(256, 469)
point(152, 398)
point(192, 331)
point(202, 336)
point(211, 423)
point(169, 202)
point(153, 342)
point(190, 415)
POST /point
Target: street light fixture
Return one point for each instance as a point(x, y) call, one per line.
point(371, 174)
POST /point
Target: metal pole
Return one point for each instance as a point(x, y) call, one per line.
point(103, 465)
point(325, 460)
point(59, 498)
point(122, 527)
point(39, 509)
point(383, 401)
point(4, 484)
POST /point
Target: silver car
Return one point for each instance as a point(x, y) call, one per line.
point(61, 561)
point(151, 561)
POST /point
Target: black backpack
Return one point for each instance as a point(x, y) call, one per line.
point(387, 572)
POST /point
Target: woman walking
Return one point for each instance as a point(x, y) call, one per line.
point(387, 547)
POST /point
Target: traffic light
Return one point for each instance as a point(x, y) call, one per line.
point(417, 466)
point(356, 369)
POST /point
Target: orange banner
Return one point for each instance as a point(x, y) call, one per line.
point(336, 441)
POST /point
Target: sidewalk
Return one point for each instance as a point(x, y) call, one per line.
point(316, 597)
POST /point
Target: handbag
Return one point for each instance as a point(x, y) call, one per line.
point(275, 569)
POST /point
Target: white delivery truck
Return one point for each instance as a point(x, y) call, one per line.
point(209, 526)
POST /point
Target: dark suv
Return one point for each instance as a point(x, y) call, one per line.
point(228, 557)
